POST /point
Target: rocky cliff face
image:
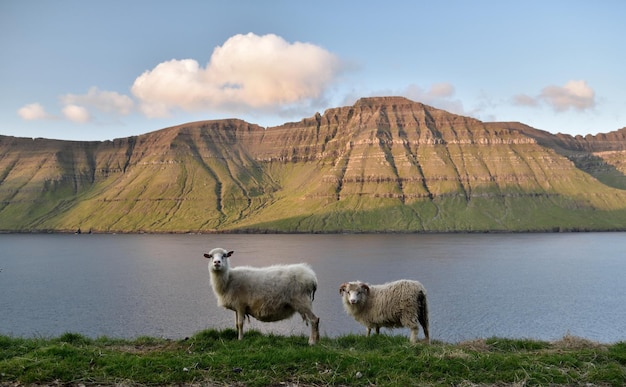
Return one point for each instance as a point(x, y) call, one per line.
point(383, 164)
point(603, 155)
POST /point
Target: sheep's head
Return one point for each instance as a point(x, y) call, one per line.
point(354, 292)
point(219, 258)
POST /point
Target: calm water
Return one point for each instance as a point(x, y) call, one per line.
point(540, 286)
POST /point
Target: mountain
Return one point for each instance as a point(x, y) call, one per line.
point(384, 164)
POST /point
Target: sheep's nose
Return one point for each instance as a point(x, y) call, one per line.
point(353, 301)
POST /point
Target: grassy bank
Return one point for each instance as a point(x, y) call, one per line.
point(218, 358)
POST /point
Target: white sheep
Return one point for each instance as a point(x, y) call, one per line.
point(392, 305)
point(268, 294)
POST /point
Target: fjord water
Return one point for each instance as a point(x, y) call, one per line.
point(539, 286)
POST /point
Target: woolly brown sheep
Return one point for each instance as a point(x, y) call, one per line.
point(392, 305)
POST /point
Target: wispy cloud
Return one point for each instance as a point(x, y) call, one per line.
point(525, 100)
point(575, 95)
point(104, 101)
point(439, 95)
point(247, 71)
point(76, 107)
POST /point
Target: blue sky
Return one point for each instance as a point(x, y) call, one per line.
point(98, 70)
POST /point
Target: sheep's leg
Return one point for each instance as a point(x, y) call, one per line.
point(305, 309)
point(308, 315)
point(239, 317)
point(414, 332)
point(315, 331)
point(426, 333)
point(378, 330)
point(369, 330)
point(422, 314)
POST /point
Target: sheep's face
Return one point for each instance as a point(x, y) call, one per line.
point(218, 259)
point(354, 293)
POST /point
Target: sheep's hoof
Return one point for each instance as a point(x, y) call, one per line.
point(314, 338)
point(315, 331)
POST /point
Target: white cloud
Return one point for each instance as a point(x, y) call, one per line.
point(33, 111)
point(575, 95)
point(247, 71)
point(105, 101)
point(76, 113)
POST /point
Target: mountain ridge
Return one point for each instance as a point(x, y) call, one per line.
point(384, 164)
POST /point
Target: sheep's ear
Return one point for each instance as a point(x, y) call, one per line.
point(342, 288)
point(228, 254)
point(366, 288)
point(209, 256)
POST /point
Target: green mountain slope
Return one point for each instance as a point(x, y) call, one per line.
point(382, 165)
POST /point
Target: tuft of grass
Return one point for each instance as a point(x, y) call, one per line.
point(214, 357)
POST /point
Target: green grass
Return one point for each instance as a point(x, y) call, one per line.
point(218, 358)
